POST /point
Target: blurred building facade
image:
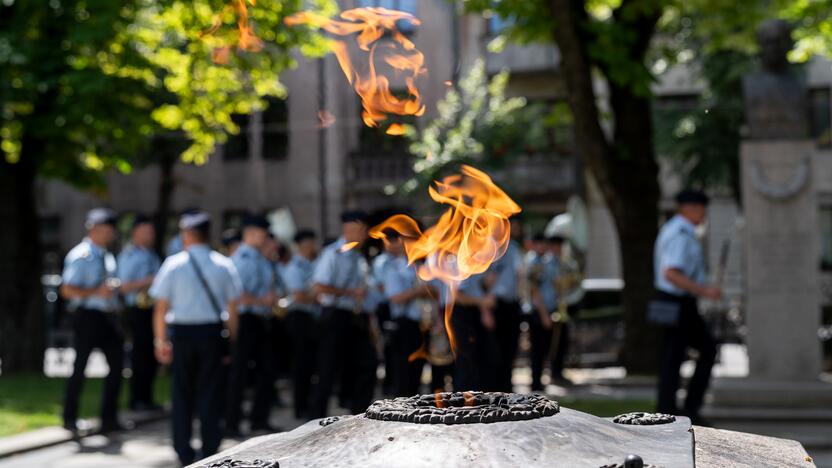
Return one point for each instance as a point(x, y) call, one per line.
point(284, 160)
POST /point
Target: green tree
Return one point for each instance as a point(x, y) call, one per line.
point(619, 42)
point(478, 125)
point(84, 87)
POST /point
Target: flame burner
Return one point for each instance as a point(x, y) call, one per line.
point(463, 408)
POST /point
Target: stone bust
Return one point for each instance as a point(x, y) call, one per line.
point(775, 99)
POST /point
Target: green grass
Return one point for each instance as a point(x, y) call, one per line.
point(29, 402)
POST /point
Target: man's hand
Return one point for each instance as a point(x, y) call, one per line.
point(487, 318)
point(488, 302)
point(269, 299)
point(545, 320)
point(164, 351)
point(103, 291)
point(711, 292)
point(358, 293)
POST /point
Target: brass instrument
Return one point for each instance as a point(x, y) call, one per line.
point(144, 300)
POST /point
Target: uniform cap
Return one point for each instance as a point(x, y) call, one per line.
point(256, 221)
point(141, 219)
point(696, 197)
point(304, 234)
point(194, 220)
point(354, 216)
point(98, 216)
point(230, 236)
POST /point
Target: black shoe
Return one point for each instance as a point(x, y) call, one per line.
point(111, 426)
point(71, 426)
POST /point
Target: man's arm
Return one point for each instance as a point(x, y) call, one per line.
point(137, 285)
point(233, 320)
point(681, 281)
point(419, 291)
point(161, 344)
point(75, 292)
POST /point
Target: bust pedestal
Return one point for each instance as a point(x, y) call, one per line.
point(782, 396)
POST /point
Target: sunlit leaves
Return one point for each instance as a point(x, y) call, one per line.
point(477, 124)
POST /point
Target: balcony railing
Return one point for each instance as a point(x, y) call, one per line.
point(531, 175)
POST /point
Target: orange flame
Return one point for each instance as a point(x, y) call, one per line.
point(347, 247)
point(247, 39)
point(467, 238)
point(370, 26)
point(396, 129)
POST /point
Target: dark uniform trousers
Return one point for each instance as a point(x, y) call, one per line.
point(253, 344)
point(507, 332)
point(476, 351)
point(346, 351)
point(303, 333)
point(690, 332)
point(198, 351)
point(562, 332)
point(407, 340)
point(541, 340)
point(95, 329)
point(142, 358)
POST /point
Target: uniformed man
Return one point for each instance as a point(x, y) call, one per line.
point(194, 317)
point(542, 302)
point(386, 323)
point(504, 280)
point(340, 287)
point(302, 319)
point(680, 279)
point(404, 291)
point(473, 325)
point(254, 344)
point(89, 284)
point(137, 265)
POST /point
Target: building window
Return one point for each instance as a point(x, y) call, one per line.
point(276, 130)
point(820, 116)
point(407, 6)
point(236, 148)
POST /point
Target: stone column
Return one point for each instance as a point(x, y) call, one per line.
point(782, 260)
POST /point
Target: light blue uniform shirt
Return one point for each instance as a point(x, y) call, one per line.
point(297, 277)
point(472, 286)
point(136, 263)
point(89, 266)
point(177, 282)
point(677, 247)
point(174, 246)
point(397, 277)
point(257, 276)
point(507, 269)
point(550, 272)
point(343, 270)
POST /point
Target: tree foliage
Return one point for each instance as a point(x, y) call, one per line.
point(478, 124)
point(93, 80)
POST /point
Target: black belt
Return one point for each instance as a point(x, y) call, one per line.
point(207, 330)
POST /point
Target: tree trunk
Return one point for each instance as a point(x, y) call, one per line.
point(626, 171)
point(166, 186)
point(22, 330)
